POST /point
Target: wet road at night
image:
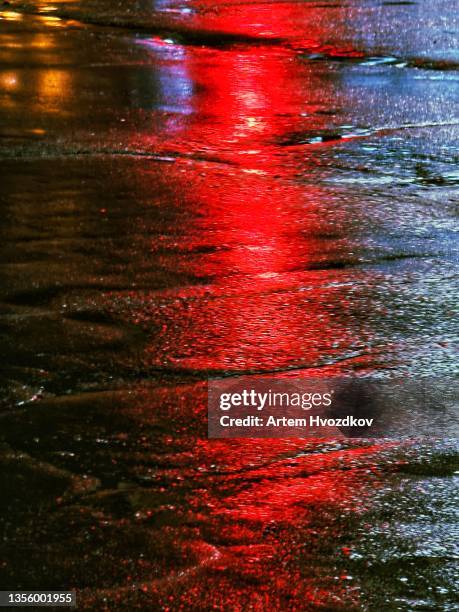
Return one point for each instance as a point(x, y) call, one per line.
point(197, 189)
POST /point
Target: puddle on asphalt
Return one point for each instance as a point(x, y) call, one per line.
point(193, 191)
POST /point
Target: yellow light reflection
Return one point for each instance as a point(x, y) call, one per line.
point(9, 81)
point(54, 86)
point(42, 41)
point(51, 21)
point(10, 15)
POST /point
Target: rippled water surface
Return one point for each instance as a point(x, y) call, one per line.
point(196, 189)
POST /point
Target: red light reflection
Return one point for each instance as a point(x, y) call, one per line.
point(261, 243)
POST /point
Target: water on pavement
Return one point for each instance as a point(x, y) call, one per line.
point(197, 189)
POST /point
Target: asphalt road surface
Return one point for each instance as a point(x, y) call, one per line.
point(200, 189)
